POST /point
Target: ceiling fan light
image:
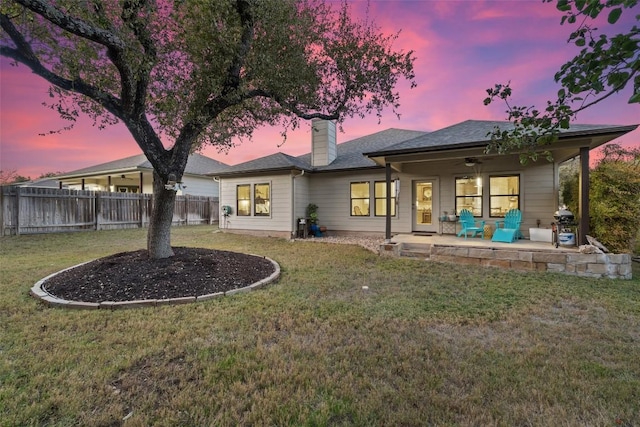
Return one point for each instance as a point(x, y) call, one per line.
point(469, 162)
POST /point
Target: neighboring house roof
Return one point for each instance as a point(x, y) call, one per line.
point(349, 155)
point(476, 133)
point(39, 183)
point(196, 165)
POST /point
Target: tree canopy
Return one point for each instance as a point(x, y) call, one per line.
point(183, 73)
point(605, 66)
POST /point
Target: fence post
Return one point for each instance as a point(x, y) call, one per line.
point(2, 196)
point(210, 202)
point(141, 210)
point(98, 209)
point(17, 211)
point(186, 209)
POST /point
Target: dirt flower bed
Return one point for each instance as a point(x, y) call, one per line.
point(130, 276)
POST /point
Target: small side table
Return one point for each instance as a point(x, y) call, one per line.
point(448, 227)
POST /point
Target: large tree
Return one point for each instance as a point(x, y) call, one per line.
point(605, 66)
point(194, 72)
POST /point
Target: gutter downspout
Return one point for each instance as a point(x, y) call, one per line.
point(293, 223)
point(387, 234)
point(224, 225)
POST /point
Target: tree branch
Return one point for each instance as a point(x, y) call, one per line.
point(75, 26)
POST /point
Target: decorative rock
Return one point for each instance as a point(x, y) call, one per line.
point(592, 241)
point(589, 249)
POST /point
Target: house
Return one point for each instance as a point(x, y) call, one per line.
point(39, 183)
point(402, 181)
point(135, 175)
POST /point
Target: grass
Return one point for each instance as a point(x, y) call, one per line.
point(427, 344)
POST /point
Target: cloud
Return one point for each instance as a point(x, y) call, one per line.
point(462, 48)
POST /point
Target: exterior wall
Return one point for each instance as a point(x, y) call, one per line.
point(332, 193)
point(280, 219)
point(538, 189)
point(301, 196)
point(540, 196)
point(197, 186)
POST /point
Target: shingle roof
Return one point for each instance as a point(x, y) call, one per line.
point(349, 155)
point(196, 165)
point(271, 162)
point(474, 133)
point(353, 154)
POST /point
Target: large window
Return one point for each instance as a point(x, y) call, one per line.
point(243, 200)
point(360, 198)
point(469, 195)
point(504, 194)
point(262, 199)
point(380, 197)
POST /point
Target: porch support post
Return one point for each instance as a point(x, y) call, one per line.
point(387, 234)
point(109, 183)
point(141, 184)
point(584, 196)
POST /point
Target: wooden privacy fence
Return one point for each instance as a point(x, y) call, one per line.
point(28, 210)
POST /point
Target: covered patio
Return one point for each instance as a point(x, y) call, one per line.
point(476, 242)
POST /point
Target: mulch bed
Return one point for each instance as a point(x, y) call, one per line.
point(130, 276)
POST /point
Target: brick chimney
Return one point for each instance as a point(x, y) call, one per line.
point(323, 142)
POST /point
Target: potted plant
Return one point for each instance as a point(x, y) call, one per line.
point(312, 214)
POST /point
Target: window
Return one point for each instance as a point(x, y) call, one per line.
point(262, 199)
point(243, 200)
point(360, 198)
point(380, 198)
point(469, 195)
point(504, 194)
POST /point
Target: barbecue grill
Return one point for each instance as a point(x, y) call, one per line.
point(564, 228)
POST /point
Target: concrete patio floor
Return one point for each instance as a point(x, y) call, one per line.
point(476, 242)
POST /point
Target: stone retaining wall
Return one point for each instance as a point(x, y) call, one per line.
point(613, 266)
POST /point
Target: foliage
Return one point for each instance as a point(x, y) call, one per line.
point(604, 67)
point(569, 184)
point(11, 177)
point(50, 174)
point(312, 213)
point(184, 73)
point(615, 198)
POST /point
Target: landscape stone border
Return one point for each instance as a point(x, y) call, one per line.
point(39, 292)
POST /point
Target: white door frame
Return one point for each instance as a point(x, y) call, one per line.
point(435, 206)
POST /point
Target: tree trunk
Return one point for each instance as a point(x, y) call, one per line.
point(159, 236)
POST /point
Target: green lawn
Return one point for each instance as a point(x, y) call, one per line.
point(427, 344)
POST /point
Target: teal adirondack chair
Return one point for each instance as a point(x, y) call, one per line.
point(470, 225)
point(508, 230)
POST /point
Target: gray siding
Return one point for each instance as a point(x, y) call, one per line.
point(332, 193)
point(199, 186)
point(280, 218)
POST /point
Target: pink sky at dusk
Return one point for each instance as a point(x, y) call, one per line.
point(462, 48)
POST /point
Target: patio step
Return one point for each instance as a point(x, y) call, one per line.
point(415, 250)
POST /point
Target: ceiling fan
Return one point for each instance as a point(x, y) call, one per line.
point(471, 162)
